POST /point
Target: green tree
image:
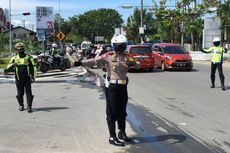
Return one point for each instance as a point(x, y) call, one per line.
point(223, 13)
point(65, 27)
point(99, 22)
point(133, 24)
point(187, 12)
point(4, 43)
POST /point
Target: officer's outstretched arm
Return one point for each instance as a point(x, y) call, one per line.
point(11, 63)
point(206, 50)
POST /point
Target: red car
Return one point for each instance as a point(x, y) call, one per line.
point(171, 56)
point(143, 54)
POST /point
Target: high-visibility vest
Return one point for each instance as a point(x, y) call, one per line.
point(217, 54)
point(16, 61)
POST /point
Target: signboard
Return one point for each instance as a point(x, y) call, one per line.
point(141, 30)
point(99, 38)
point(44, 18)
point(60, 35)
point(41, 34)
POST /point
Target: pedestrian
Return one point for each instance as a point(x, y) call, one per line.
point(216, 61)
point(117, 64)
point(25, 74)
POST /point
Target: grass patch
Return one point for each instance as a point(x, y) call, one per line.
point(4, 62)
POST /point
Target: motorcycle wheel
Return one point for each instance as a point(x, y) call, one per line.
point(62, 66)
point(44, 67)
point(68, 64)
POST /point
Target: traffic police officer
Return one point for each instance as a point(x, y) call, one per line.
point(25, 73)
point(117, 64)
point(216, 61)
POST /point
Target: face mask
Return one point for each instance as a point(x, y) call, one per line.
point(120, 47)
point(20, 51)
point(216, 43)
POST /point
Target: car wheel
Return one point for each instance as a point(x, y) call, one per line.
point(162, 66)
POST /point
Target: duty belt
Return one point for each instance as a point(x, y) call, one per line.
point(123, 82)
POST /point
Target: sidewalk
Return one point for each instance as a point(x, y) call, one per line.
point(225, 64)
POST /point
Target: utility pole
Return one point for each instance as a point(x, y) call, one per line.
point(59, 20)
point(24, 23)
point(182, 26)
point(141, 19)
point(10, 35)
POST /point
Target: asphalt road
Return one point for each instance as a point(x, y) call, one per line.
point(168, 112)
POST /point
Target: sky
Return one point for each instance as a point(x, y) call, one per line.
point(68, 8)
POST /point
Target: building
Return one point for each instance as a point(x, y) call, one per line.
point(2, 20)
point(20, 33)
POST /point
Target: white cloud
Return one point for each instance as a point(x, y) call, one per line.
point(27, 24)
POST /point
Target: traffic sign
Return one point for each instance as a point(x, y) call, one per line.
point(60, 35)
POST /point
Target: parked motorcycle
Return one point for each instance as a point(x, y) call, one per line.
point(47, 62)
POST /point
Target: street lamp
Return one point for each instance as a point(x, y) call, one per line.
point(10, 27)
point(141, 28)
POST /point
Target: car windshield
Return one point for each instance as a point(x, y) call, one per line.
point(173, 50)
point(140, 50)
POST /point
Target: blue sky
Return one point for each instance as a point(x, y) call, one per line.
point(68, 8)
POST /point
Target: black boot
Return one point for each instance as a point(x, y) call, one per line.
point(29, 103)
point(20, 102)
point(222, 84)
point(114, 141)
point(212, 86)
point(113, 138)
point(121, 134)
point(223, 87)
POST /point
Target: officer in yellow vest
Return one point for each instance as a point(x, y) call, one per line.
point(216, 61)
point(25, 74)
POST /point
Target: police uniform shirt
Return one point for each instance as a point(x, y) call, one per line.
point(116, 64)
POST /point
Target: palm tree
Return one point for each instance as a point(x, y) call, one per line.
point(133, 24)
point(223, 13)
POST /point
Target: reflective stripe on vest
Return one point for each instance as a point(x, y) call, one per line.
point(217, 54)
point(22, 61)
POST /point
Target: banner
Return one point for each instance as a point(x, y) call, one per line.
point(45, 18)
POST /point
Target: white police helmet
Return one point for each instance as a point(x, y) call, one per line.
point(119, 42)
point(54, 45)
point(118, 38)
point(216, 39)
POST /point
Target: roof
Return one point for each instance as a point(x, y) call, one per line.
point(166, 44)
point(19, 27)
point(131, 46)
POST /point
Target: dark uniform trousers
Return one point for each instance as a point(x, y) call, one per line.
point(213, 71)
point(116, 102)
point(23, 85)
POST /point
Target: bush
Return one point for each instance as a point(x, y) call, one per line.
point(4, 62)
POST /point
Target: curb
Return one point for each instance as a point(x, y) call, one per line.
point(2, 71)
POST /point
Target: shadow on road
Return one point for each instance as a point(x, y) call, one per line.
point(48, 109)
point(154, 133)
point(177, 137)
